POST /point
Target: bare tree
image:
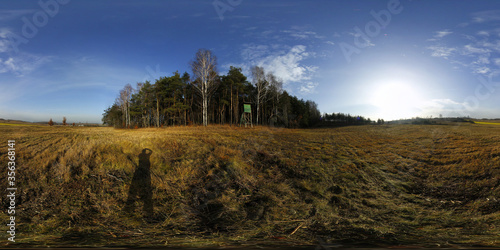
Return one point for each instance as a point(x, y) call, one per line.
point(64, 121)
point(276, 88)
point(204, 69)
point(259, 79)
point(124, 102)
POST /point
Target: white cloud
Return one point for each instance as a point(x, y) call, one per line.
point(486, 16)
point(4, 45)
point(497, 61)
point(4, 32)
point(483, 60)
point(4, 42)
point(253, 52)
point(17, 63)
point(470, 49)
point(446, 107)
point(2, 69)
point(301, 34)
point(22, 63)
point(285, 62)
point(288, 66)
point(483, 33)
point(443, 33)
point(491, 46)
point(308, 88)
point(10, 65)
point(481, 70)
point(445, 104)
point(472, 52)
point(441, 51)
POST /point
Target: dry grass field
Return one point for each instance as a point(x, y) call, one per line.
point(425, 185)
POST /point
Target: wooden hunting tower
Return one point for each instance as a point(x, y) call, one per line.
point(246, 117)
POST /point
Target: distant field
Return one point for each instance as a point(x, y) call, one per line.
point(487, 123)
point(421, 185)
point(17, 124)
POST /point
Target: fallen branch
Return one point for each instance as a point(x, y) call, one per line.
point(296, 229)
point(110, 175)
point(285, 221)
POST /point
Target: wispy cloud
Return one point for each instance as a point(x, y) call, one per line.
point(291, 35)
point(443, 104)
point(443, 33)
point(452, 108)
point(497, 61)
point(472, 49)
point(22, 63)
point(253, 52)
point(445, 107)
point(308, 88)
point(486, 16)
point(87, 79)
point(438, 35)
point(483, 33)
point(366, 41)
point(441, 51)
point(4, 41)
point(6, 15)
point(475, 51)
point(493, 46)
point(302, 33)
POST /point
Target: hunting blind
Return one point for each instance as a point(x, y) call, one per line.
point(246, 117)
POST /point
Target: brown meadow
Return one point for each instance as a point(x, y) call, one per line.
point(386, 185)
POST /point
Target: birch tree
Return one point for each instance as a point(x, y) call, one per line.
point(204, 69)
point(276, 89)
point(259, 80)
point(124, 101)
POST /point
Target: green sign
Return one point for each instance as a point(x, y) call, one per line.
point(247, 108)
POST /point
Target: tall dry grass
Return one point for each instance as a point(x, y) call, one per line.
point(385, 184)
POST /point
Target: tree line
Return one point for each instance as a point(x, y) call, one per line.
point(206, 97)
point(341, 119)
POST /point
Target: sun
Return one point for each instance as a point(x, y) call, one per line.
point(396, 100)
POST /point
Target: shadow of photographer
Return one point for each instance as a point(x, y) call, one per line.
point(141, 188)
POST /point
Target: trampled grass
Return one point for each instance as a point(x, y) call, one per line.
point(385, 185)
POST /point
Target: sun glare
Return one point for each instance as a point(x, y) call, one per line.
point(396, 100)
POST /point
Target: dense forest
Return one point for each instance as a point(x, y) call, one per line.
point(205, 97)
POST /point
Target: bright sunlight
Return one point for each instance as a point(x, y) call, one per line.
point(396, 100)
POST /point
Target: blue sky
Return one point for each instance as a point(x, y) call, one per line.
point(381, 59)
